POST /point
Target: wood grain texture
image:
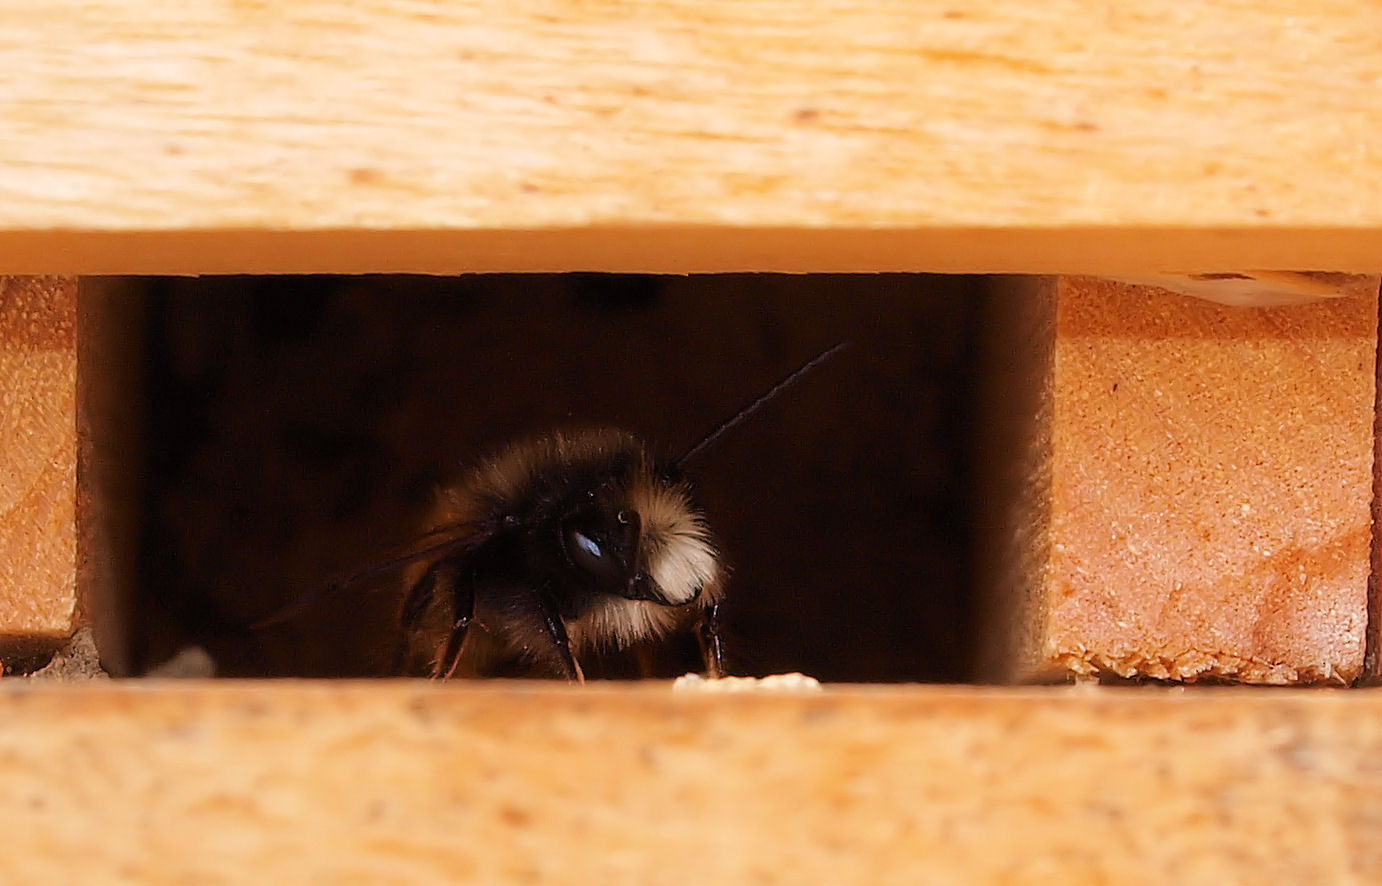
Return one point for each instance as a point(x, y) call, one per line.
point(410, 783)
point(225, 135)
point(38, 461)
point(1204, 508)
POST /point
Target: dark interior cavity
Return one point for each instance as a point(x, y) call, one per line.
point(295, 430)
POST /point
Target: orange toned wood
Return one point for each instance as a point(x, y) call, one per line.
point(416, 783)
point(688, 249)
point(1196, 495)
point(38, 460)
point(680, 135)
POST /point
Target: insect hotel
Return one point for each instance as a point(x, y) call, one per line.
point(1079, 533)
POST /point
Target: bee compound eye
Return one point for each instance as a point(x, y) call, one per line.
point(588, 553)
point(584, 545)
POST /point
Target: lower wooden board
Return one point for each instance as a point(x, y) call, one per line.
point(418, 783)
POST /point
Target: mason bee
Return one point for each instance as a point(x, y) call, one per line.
point(555, 547)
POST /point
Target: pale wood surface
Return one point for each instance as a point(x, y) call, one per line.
point(38, 461)
point(410, 783)
point(1044, 136)
point(1197, 499)
point(1262, 288)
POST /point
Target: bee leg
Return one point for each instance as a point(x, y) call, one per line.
point(645, 658)
point(440, 579)
point(712, 641)
point(464, 595)
point(557, 631)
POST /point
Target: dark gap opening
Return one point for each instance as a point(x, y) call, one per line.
point(296, 430)
point(1372, 668)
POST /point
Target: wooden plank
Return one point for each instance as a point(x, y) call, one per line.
point(1193, 492)
point(415, 783)
point(38, 460)
point(677, 136)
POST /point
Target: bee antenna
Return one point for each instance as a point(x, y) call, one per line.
point(760, 402)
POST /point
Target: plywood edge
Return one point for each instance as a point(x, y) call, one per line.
point(845, 246)
point(415, 782)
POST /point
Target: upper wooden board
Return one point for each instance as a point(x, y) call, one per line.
point(1047, 136)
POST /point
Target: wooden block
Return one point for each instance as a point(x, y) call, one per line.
point(858, 135)
point(38, 461)
point(1191, 490)
point(414, 783)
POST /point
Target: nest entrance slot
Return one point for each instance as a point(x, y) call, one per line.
point(296, 428)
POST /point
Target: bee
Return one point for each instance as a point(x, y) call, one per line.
point(565, 543)
point(558, 546)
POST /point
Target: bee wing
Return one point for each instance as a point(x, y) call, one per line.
point(464, 537)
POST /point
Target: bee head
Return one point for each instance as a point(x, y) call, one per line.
point(602, 544)
point(637, 535)
point(600, 518)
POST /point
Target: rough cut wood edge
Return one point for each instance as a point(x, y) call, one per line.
point(110, 398)
point(1261, 288)
point(718, 135)
point(1205, 507)
point(415, 783)
point(38, 462)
